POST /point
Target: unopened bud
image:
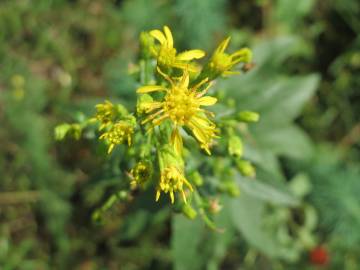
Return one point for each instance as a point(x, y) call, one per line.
point(196, 178)
point(146, 45)
point(235, 146)
point(248, 116)
point(214, 206)
point(144, 103)
point(232, 189)
point(63, 130)
point(189, 212)
point(245, 168)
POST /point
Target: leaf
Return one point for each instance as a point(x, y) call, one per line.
point(265, 192)
point(247, 217)
point(286, 102)
point(185, 243)
point(288, 140)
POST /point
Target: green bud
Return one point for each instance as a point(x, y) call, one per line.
point(248, 116)
point(143, 103)
point(63, 130)
point(196, 178)
point(232, 189)
point(189, 212)
point(147, 45)
point(245, 168)
point(215, 206)
point(235, 146)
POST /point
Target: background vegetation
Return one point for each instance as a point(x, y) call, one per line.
point(59, 58)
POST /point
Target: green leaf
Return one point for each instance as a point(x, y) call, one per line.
point(186, 242)
point(247, 217)
point(265, 192)
point(288, 140)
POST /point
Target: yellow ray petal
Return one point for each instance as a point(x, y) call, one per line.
point(198, 132)
point(176, 139)
point(169, 37)
point(184, 196)
point(244, 54)
point(150, 88)
point(229, 73)
point(190, 55)
point(151, 105)
point(223, 45)
point(158, 193)
point(207, 101)
point(196, 86)
point(166, 77)
point(182, 65)
point(159, 36)
point(184, 83)
point(172, 197)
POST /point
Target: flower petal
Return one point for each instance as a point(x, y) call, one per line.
point(159, 36)
point(243, 55)
point(176, 139)
point(158, 193)
point(169, 37)
point(190, 55)
point(207, 101)
point(223, 45)
point(184, 83)
point(150, 88)
point(189, 67)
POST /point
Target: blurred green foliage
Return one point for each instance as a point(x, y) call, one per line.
point(61, 57)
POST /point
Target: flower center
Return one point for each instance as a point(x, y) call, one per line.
point(120, 133)
point(166, 56)
point(171, 180)
point(180, 105)
point(221, 62)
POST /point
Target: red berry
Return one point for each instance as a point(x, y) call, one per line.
point(319, 256)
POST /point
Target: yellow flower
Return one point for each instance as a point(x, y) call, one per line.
point(140, 174)
point(105, 113)
point(221, 63)
point(172, 180)
point(118, 133)
point(181, 105)
point(166, 54)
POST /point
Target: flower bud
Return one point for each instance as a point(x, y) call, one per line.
point(235, 146)
point(63, 130)
point(248, 116)
point(232, 189)
point(214, 206)
point(147, 45)
point(245, 168)
point(144, 103)
point(188, 211)
point(196, 178)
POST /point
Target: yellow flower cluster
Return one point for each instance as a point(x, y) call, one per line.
point(172, 180)
point(117, 122)
point(180, 101)
point(172, 109)
point(118, 133)
point(181, 104)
